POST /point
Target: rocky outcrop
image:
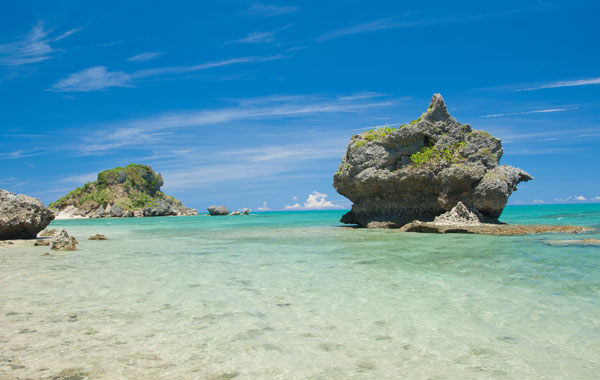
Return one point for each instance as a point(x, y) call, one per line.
point(217, 210)
point(490, 229)
point(421, 170)
point(129, 191)
point(459, 215)
point(62, 241)
point(21, 216)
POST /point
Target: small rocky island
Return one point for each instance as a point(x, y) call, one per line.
point(433, 171)
point(133, 190)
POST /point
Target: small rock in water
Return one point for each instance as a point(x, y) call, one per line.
point(97, 237)
point(62, 241)
point(41, 242)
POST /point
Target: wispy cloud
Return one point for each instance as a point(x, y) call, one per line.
point(34, 47)
point(403, 22)
point(92, 79)
point(569, 83)
point(370, 26)
point(531, 112)
point(100, 78)
point(315, 201)
point(268, 10)
point(143, 131)
point(254, 38)
point(147, 56)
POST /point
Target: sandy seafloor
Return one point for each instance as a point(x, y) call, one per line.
point(291, 296)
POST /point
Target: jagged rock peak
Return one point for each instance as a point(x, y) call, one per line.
point(437, 109)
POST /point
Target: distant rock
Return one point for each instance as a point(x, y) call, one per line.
point(158, 208)
point(97, 237)
point(235, 213)
point(130, 191)
point(246, 211)
point(116, 212)
point(422, 169)
point(21, 216)
point(218, 210)
point(62, 241)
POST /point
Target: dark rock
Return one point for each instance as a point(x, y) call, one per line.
point(97, 237)
point(159, 208)
point(41, 243)
point(246, 211)
point(116, 212)
point(218, 210)
point(21, 216)
point(62, 241)
point(423, 169)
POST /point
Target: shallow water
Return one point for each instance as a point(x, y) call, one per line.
point(291, 296)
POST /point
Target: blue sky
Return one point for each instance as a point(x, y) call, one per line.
point(251, 104)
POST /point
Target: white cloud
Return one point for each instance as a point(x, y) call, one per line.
point(538, 201)
point(265, 207)
point(147, 56)
point(315, 201)
point(571, 198)
point(267, 10)
point(34, 47)
point(531, 112)
point(92, 79)
point(569, 83)
point(295, 197)
point(597, 198)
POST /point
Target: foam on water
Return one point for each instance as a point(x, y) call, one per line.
point(291, 296)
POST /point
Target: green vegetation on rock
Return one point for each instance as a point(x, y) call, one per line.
point(430, 155)
point(132, 187)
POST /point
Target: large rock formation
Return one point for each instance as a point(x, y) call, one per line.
point(130, 191)
point(21, 216)
point(423, 169)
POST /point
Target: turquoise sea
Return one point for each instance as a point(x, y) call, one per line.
point(291, 295)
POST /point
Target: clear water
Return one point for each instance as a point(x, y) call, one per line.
point(292, 296)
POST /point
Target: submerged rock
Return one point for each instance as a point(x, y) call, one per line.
point(421, 170)
point(217, 210)
point(48, 232)
point(22, 216)
point(41, 243)
point(62, 241)
point(97, 237)
point(577, 242)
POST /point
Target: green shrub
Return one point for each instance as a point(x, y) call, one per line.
point(430, 155)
